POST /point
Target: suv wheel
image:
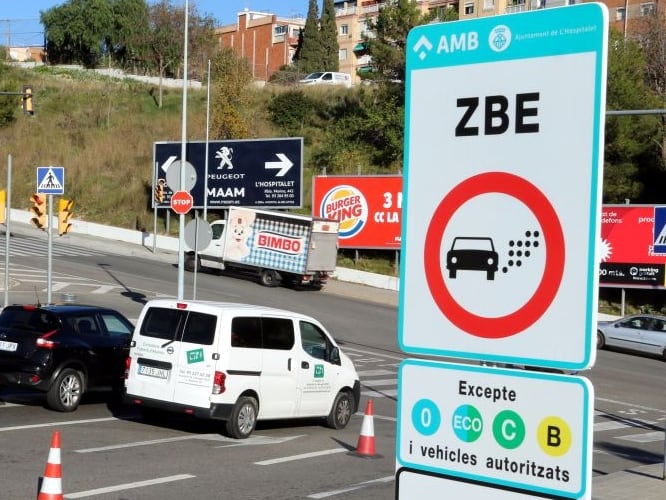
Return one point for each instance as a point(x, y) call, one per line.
point(65, 393)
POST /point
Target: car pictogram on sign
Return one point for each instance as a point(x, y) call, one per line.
point(471, 253)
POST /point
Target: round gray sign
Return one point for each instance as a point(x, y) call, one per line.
point(198, 234)
point(173, 176)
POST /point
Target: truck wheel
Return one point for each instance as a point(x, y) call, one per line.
point(340, 412)
point(189, 263)
point(243, 418)
point(65, 393)
point(269, 278)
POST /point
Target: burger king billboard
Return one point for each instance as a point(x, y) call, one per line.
point(368, 207)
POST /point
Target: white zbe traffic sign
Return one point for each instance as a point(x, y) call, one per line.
point(503, 187)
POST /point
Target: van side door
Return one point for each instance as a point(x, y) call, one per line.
point(280, 369)
point(317, 375)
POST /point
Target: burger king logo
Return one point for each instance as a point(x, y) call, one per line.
point(347, 205)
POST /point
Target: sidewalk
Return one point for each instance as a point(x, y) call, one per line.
point(640, 483)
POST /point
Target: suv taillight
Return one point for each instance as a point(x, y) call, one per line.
point(45, 342)
point(128, 363)
point(218, 382)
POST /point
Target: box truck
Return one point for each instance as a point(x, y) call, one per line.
point(276, 247)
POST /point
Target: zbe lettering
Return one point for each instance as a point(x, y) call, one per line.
point(496, 115)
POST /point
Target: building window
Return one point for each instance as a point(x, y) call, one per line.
point(280, 30)
point(469, 8)
point(342, 54)
point(647, 9)
point(344, 29)
point(620, 14)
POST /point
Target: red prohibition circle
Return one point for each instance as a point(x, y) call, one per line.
point(535, 307)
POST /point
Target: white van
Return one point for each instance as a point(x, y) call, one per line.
point(238, 363)
point(327, 78)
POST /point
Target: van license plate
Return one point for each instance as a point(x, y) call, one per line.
point(8, 346)
point(151, 371)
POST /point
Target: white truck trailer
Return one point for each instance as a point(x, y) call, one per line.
point(273, 246)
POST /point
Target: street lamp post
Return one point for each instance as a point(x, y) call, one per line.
point(183, 158)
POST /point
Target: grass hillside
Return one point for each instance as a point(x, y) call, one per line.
point(101, 130)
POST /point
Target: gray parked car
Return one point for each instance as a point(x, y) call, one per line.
point(645, 333)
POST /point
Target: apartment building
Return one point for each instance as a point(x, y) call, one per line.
point(269, 41)
point(266, 40)
point(622, 14)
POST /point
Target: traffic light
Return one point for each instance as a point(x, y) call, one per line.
point(38, 210)
point(159, 191)
point(28, 105)
point(3, 206)
point(64, 214)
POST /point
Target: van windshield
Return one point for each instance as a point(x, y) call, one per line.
point(313, 76)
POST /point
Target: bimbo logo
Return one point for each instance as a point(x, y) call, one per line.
point(347, 205)
point(280, 243)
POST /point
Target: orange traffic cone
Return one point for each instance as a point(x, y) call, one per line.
point(51, 487)
point(366, 440)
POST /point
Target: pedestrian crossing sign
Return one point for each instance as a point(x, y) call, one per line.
point(659, 234)
point(51, 180)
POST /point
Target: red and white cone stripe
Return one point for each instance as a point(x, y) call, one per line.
point(51, 488)
point(366, 440)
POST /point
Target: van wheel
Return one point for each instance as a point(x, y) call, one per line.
point(269, 278)
point(189, 263)
point(340, 412)
point(65, 393)
point(243, 418)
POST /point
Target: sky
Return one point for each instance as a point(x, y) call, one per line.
point(20, 26)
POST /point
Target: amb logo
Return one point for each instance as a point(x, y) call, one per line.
point(347, 205)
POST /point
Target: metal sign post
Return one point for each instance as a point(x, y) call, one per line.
point(50, 181)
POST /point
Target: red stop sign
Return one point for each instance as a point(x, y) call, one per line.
point(181, 202)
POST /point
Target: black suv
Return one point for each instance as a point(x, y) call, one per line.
point(63, 350)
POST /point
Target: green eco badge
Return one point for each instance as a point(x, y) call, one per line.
point(319, 371)
point(195, 356)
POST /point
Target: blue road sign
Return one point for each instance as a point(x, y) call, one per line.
point(51, 180)
point(260, 173)
point(659, 235)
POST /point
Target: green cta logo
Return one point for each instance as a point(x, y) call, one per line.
point(195, 356)
point(319, 371)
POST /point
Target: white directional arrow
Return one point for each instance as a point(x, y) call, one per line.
point(283, 165)
point(165, 166)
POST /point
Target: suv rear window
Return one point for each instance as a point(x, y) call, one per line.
point(29, 319)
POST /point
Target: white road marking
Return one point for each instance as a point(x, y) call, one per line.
point(644, 437)
point(383, 394)
point(609, 426)
point(56, 424)
point(375, 373)
point(383, 381)
point(357, 486)
point(302, 456)
point(129, 486)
